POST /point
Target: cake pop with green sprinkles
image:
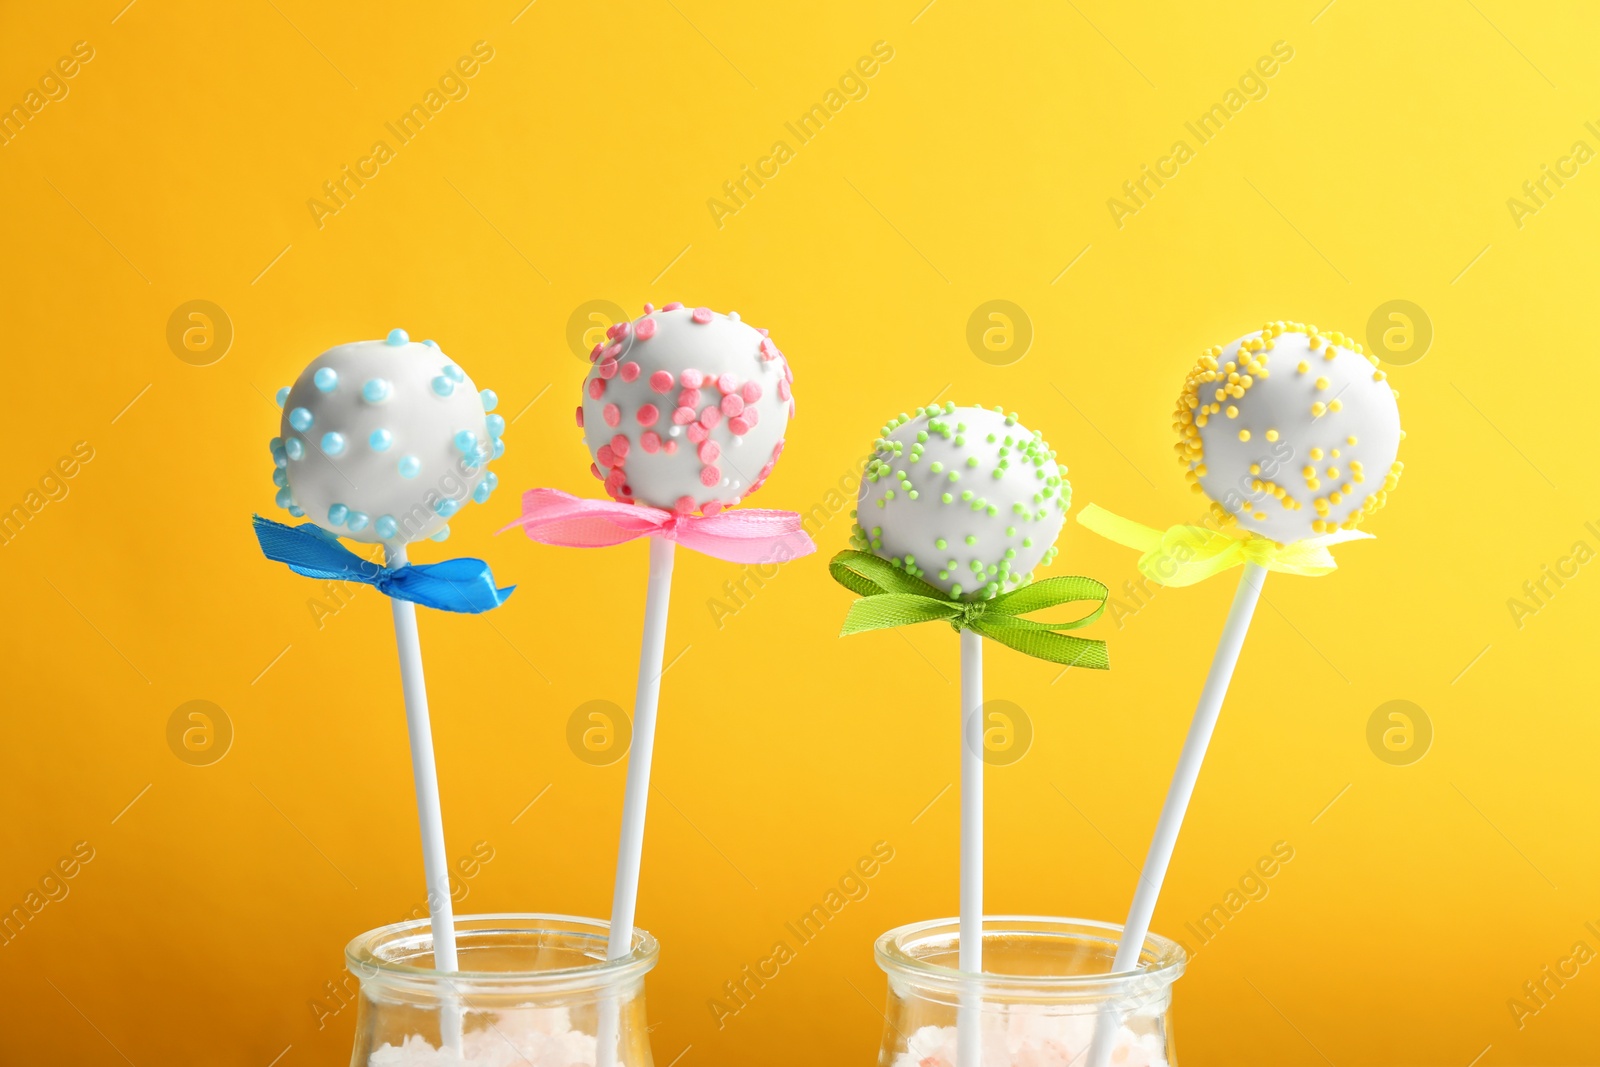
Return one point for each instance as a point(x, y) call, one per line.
point(965, 498)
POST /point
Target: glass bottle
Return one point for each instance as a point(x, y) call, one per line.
point(1044, 989)
point(531, 991)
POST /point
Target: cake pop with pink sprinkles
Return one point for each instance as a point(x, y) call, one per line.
point(685, 409)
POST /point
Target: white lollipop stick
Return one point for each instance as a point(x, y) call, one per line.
point(969, 957)
point(425, 778)
point(1182, 789)
point(636, 794)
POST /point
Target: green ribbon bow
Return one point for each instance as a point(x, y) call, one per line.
point(891, 597)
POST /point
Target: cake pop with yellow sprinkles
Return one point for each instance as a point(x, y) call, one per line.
point(1293, 433)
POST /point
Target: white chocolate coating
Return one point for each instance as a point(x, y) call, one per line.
point(371, 445)
point(967, 499)
point(685, 409)
point(1295, 437)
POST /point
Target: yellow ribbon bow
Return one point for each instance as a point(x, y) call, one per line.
point(1184, 555)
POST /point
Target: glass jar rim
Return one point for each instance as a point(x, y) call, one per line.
point(365, 957)
point(1161, 960)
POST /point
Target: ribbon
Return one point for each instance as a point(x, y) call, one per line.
point(741, 535)
point(1184, 555)
point(463, 585)
point(891, 597)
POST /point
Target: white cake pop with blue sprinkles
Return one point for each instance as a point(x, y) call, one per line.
point(383, 441)
point(965, 498)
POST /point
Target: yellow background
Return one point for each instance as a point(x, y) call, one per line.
point(978, 167)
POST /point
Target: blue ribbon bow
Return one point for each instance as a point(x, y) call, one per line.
point(463, 585)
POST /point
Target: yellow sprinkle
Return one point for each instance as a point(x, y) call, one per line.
point(1322, 383)
point(1272, 435)
point(1260, 515)
point(1378, 376)
point(1335, 405)
point(1233, 412)
point(1201, 470)
point(1333, 472)
point(1318, 408)
point(1255, 468)
point(1303, 367)
point(1309, 472)
point(1334, 453)
point(1316, 453)
point(1351, 440)
point(1244, 435)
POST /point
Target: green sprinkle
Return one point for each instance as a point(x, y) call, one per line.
point(912, 494)
point(954, 477)
point(991, 510)
point(939, 543)
point(1011, 531)
point(966, 494)
point(955, 591)
point(936, 467)
point(946, 498)
point(972, 461)
point(972, 539)
point(1027, 542)
point(944, 576)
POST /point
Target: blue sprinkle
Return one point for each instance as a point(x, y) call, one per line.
point(326, 379)
point(398, 338)
point(332, 443)
point(275, 445)
point(297, 511)
point(490, 399)
point(358, 521)
point(443, 386)
point(497, 425)
point(375, 391)
point(283, 394)
point(432, 344)
point(284, 498)
point(280, 477)
point(281, 460)
point(442, 535)
point(447, 507)
point(386, 526)
point(300, 419)
point(453, 372)
point(337, 514)
point(294, 448)
point(409, 466)
point(493, 479)
point(499, 447)
point(466, 440)
point(380, 440)
point(482, 491)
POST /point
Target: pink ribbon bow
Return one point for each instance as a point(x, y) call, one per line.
point(741, 535)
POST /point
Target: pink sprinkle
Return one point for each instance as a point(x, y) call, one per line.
point(732, 404)
point(709, 452)
point(646, 328)
point(612, 414)
point(684, 505)
point(580, 416)
point(739, 425)
point(648, 414)
point(594, 353)
point(691, 378)
point(649, 308)
point(630, 371)
point(710, 508)
point(688, 398)
point(751, 392)
point(683, 416)
point(788, 374)
point(595, 470)
point(791, 408)
point(615, 482)
point(597, 388)
point(710, 417)
point(783, 389)
point(661, 381)
point(605, 456)
point(777, 450)
point(620, 447)
point(673, 306)
point(761, 330)
point(710, 476)
point(767, 350)
point(669, 446)
point(608, 369)
point(650, 441)
point(615, 330)
point(752, 415)
point(728, 383)
point(698, 433)
point(611, 352)
point(701, 315)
